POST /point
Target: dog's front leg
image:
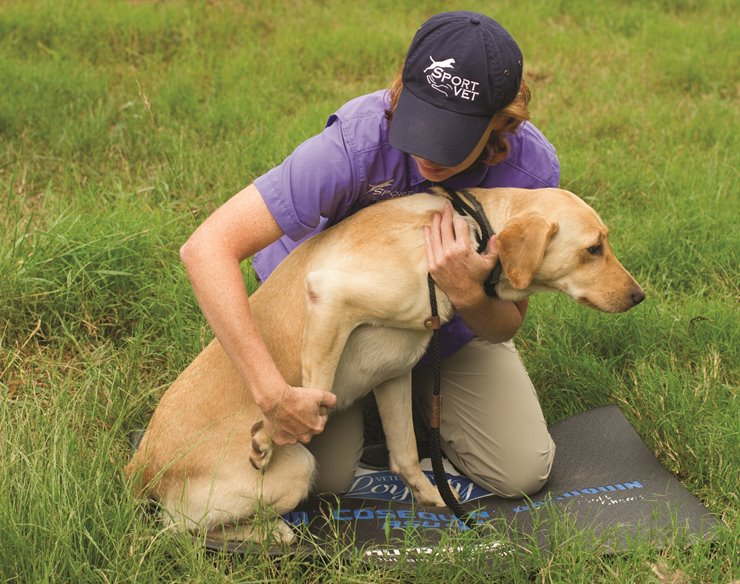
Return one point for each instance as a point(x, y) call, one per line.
point(334, 305)
point(394, 405)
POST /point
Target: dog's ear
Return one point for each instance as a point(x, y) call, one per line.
point(521, 246)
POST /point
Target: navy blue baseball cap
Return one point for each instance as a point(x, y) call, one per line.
point(461, 68)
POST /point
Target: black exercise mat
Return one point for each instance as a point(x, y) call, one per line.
point(604, 481)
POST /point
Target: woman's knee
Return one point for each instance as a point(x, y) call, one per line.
point(334, 479)
point(528, 475)
point(516, 472)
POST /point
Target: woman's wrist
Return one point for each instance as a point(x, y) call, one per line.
point(492, 319)
point(471, 298)
point(268, 390)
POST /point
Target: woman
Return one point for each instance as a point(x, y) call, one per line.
point(456, 115)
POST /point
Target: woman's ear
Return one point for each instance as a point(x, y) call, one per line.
point(521, 245)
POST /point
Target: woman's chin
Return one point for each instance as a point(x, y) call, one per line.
point(433, 174)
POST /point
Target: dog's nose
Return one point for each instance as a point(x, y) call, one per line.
point(638, 296)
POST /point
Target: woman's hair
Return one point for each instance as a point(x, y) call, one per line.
point(506, 120)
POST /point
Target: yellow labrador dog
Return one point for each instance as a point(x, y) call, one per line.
point(345, 311)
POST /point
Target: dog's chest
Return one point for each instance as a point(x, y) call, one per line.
point(374, 354)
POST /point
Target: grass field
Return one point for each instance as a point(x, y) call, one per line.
point(124, 124)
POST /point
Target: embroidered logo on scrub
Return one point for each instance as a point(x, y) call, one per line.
point(449, 84)
point(381, 191)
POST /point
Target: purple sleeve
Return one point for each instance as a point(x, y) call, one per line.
point(532, 162)
point(317, 180)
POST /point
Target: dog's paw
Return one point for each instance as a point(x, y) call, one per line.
point(427, 494)
point(264, 532)
point(283, 533)
point(261, 447)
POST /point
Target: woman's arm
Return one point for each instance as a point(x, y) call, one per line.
point(237, 230)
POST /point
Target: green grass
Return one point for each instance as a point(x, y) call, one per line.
point(124, 124)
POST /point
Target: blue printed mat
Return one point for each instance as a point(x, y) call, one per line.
point(604, 480)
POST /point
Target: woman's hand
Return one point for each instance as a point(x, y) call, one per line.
point(453, 262)
point(297, 415)
point(460, 271)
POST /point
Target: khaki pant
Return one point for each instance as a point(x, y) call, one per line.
point(492, 424)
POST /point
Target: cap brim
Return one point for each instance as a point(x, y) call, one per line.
point(435, 134)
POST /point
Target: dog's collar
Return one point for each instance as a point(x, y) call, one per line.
point(475, 210)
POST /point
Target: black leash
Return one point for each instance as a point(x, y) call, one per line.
point(440, 477)
point(474, 210)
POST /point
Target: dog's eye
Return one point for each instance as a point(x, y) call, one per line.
point(597, 249)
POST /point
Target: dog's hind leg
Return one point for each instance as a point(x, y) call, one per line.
point(394, 405)
point(237, 503)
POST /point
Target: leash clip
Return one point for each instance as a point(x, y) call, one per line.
point(432, 323)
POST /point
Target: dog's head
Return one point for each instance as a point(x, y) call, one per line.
point(559, 243)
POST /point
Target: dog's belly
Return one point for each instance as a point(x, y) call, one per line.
point(374, 354)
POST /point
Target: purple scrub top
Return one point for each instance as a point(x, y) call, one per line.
point(351, 165)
